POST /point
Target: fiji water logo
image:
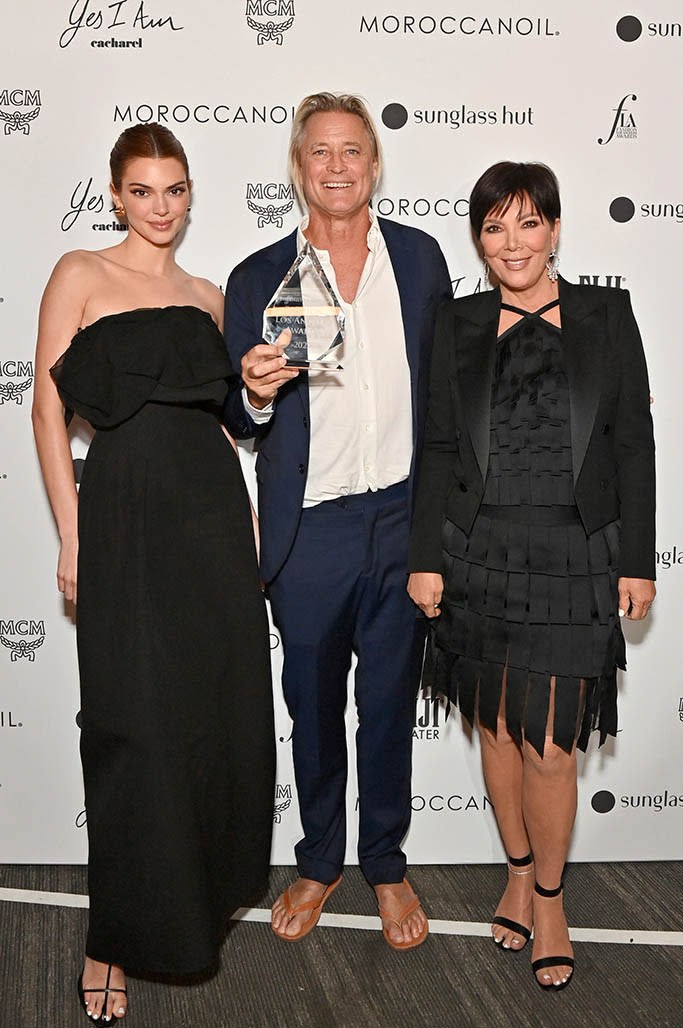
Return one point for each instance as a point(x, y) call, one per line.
point(280, 17)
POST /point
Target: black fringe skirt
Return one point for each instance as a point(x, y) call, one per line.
point(530, 592)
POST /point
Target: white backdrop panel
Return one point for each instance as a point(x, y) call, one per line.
point(453, 90)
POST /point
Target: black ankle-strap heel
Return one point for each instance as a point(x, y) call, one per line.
point(538, 965)
point(505, 922)
point(106, 990)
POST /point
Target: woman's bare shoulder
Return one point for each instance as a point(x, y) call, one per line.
point(209, 296)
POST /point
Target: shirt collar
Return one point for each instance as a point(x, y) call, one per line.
point(374, 237)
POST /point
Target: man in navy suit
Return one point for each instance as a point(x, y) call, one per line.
point(335, 470)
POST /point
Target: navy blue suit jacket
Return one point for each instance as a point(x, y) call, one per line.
point(282, 462)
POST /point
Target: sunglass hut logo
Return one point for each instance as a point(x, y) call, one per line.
point(84, 19)
point(279, 17)
point(14, 119)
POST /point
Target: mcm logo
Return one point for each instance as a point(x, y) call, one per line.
point(16, 120)
point(23, 647)
point(270, 31)
point(266, 211)
point(13, 392)
point(283, 801)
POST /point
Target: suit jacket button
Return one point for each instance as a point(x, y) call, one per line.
point(605, 429)
point(603, 485)
point(463, 487)
point(302, 468)
point(305, 422)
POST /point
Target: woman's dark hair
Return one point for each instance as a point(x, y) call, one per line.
point(149, 140)
point(506, 182)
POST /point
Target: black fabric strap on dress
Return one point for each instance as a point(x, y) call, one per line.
point(530, 314)
point(526, 514)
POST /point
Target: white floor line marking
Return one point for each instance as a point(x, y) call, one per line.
point(50, 899)
point(479, 928)
point(364, 922)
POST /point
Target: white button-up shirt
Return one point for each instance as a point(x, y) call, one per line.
point(361, 417)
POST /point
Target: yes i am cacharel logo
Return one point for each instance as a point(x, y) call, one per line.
point(133, 15)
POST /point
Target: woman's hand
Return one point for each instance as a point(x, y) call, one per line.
point(67, 568)
point(636, 596)
point(426, 589)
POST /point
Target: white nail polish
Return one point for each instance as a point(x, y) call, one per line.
point(621, 613)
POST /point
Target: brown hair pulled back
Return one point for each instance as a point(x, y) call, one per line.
point(144, 140)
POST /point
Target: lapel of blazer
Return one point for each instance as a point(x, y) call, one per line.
point(403, 262)
point(281, 255)
point(583, 329)
point(475, 346)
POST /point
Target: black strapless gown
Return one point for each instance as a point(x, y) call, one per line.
point(177, 735)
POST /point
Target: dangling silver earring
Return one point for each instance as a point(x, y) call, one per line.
point(486, 270)
point(552, 264)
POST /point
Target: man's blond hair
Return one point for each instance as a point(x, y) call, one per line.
point(337, 103)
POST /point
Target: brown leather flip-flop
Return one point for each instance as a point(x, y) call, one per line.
point(398, 921)
point(315, 907)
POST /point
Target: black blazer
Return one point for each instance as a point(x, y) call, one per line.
point(611, 426)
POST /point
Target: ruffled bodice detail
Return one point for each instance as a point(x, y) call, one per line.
point(530, 461)
point(119, 363)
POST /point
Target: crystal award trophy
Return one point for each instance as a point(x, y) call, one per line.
point(306, 304)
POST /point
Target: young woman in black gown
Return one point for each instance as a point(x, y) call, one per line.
point(533, 531)
point(177, 735)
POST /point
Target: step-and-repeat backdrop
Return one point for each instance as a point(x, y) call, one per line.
point(591, 89)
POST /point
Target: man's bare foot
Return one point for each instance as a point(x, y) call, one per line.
point(111, 1005)
point(393, 900)
point(304, 892)
point(551, 937)
point(515, 905)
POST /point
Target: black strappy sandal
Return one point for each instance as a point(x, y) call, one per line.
point(538, 965)
point(506, 922)
point(81, 995)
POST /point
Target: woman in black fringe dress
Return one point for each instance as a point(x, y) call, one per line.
point(533, 532)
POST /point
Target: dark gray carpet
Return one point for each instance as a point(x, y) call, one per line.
point(341, 978)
